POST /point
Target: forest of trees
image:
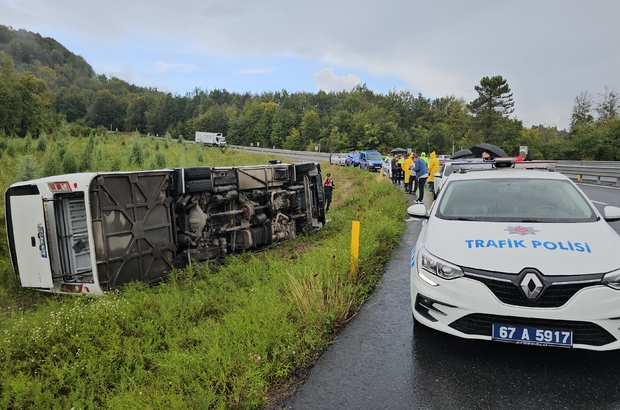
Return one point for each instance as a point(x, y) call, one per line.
point(45, 88)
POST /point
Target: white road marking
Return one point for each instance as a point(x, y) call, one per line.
point(596, 185)
point(600, 203)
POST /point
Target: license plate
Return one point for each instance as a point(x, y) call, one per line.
point(533, 336)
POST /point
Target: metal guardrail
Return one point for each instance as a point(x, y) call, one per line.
point(590, 170)
point(282, 152)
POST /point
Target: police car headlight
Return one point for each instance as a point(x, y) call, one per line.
point(438, 267)
point(612, 279)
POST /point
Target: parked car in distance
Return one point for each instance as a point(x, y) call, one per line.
point(353, 158)
point(443, 157)
point(370, 160)
point(338, 158)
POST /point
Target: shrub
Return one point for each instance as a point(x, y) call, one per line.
point(11, 148)
point(87, 155)
point(160, 160)
point(115, 164)
point(42, 143)
point(137, 153)
point(62, 148)
point(27, 143)
point(70, 163)
point(51, 165)
point(167, 140)
point(26, 168)
point(98, 160)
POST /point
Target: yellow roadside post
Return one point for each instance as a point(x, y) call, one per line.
point(578, 178)
point(355, 249)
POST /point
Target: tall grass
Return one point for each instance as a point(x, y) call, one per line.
point(217, 336)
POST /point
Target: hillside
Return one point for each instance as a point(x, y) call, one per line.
point(34, 53)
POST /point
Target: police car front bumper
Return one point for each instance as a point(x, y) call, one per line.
point(467, 308)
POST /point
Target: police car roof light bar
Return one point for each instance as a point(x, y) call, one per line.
point(539, 164)
point(471, 166)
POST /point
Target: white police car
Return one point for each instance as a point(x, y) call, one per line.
point(444, 172)
point(517, 255)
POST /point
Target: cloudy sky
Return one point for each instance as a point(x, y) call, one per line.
point(548, 50)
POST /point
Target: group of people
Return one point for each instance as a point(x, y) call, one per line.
point(414, 171)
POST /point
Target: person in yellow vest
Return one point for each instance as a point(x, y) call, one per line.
point(401, 174)
point(408, 177)
point(425, 158)
point(433, 167)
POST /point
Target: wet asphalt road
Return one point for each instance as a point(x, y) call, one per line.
point(380, 361)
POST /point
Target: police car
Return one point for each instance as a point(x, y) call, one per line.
point(517, 255)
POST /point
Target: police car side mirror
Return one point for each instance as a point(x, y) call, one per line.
point(418, 211)
point(611, 213)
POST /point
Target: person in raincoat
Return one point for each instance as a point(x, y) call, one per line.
point(433, 167)
point(408, 177)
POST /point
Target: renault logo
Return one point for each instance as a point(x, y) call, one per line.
point(531, 286)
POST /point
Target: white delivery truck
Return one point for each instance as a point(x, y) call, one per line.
point(211, 139)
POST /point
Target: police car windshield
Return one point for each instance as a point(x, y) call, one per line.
point(375, 156)
point(514, 200)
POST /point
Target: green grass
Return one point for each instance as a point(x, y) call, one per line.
point(217, 336)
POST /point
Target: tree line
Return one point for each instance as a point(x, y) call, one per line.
point(44, 87)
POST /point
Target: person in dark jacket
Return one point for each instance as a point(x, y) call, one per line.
point(328, 187)
point(420, 169)
point(395, 170)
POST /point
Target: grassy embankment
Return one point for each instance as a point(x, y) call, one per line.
point(216, 337)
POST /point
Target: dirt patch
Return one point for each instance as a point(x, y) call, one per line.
point(338, 200)
point(294, 252)
point(279, 394)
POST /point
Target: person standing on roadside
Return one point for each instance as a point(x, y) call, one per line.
point(433, 167)
point(425, 158)
point(387, 160)
point(399, 168)
point(328, 187)
point(408, 177)
point(394, 164)
point(421, 171)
